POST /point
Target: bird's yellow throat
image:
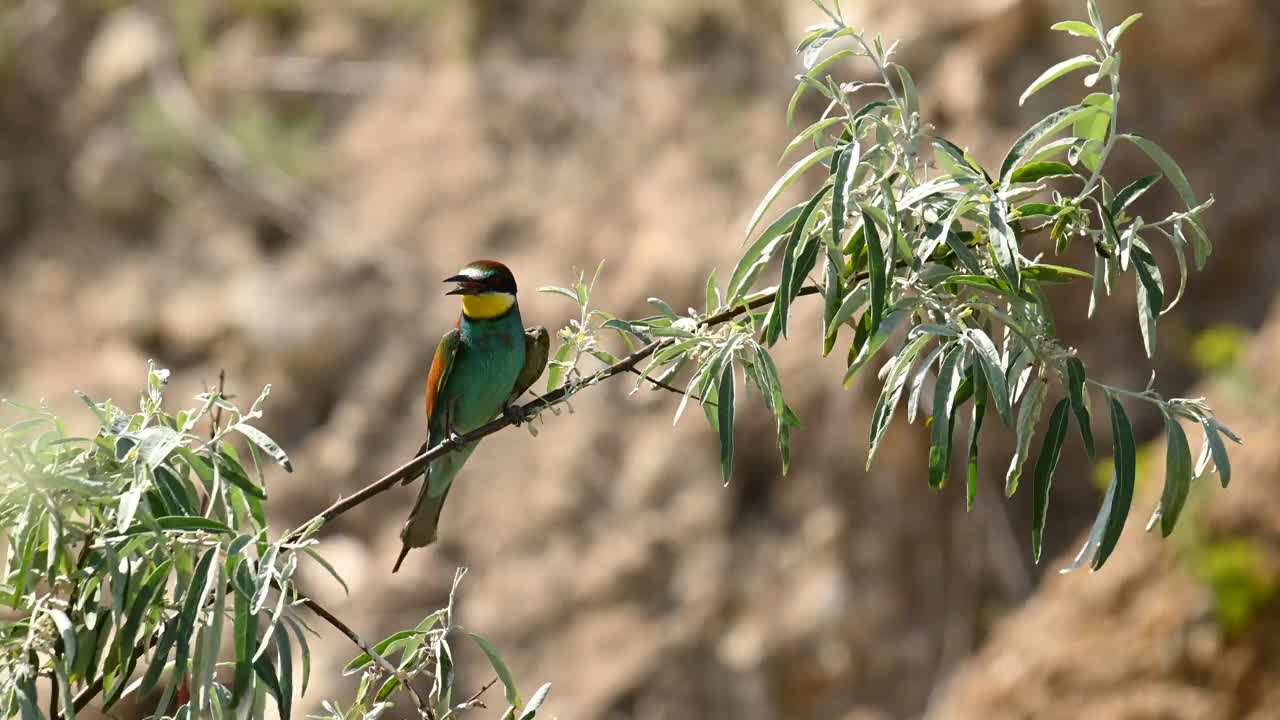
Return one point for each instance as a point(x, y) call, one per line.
point(487, 305)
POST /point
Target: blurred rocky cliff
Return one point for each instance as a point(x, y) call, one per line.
point(276, 187)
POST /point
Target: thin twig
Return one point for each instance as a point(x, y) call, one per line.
point(423, 708)
point(672, 388)
point(474, 701)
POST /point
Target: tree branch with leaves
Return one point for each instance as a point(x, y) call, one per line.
point(131, 556)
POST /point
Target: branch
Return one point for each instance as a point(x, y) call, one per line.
point(414, 467)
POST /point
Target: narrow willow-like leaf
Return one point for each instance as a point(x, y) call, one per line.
point(1221, 460)
point(1035, 172)
point(1028, 415)
point(876, 268)
point(975, 427)
point(1047, 127)
point(1050, 452)
point(891, 393)
point(758, 254)
point(989, 358)
point(917, 381)
point(1113, 35)
point(499, 667)
point(245, 631)
point(1004, 244)
point(909, 96)
point(205, 575)
point(793, 267)
point(842, 187)
point(1177, 477)
point(785, 181)
point(264, 441)
point(1122, 483)
point(1132, 192)
point(1076, 378)
point(1054, 274)
point(284, 670)
point(944, 397)
point(832, 289)
point(853, 301)
point(1168, 166)
point(1150, 298)
point(725, 406)
point(875, 341)
point(1077, 28)
point(1056, 71)
point(811, 132)
point(531, 709)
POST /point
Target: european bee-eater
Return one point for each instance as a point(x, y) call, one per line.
point(481, 366)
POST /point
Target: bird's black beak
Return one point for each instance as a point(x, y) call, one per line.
point(466, 285)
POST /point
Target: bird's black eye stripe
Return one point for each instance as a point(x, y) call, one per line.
point(502, 282)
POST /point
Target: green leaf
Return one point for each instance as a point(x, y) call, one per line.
point(499, 667)
point(1079, 406)
point(1028, 416)
point(891, 393)
point(785, 181)
point(558, 367)
point(1077, 28)
point(1050, 452)
point(1054, 274)
point(141, 604)
point(975, 426)
point(793, 267)
point(842, 183)
point(876, 341)
point(758, 254)
point(1030, 210)
point(155, 443)
point(712, 294)
point(1177, 478)
point(1113, 35)
point(202, 579)
point(813, 131)
point(992, 368)
point(1095, 16)
point(328, 568)
point(909, 95)
point(178, 523)
point(944, 397)
point(1035, 172)
point(539, 696)
point(725, 409)
point(1168, 166)
point(1004, 244)
point(562, 291)
point(1053, 73)
point(1221, 460)
point(269, 446)
point(1150, 298)
point(877, 269)
point(809, 79)
point(1132, 192)
point(1122, 483)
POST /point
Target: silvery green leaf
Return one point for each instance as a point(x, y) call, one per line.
point(1113, 35)
point(1004, 244)
point(1099, 277)
point(1132, 192)
point(1177, 479)
point(1150, 298)
point(944, 396)
point(993, 370)
point(1028, 415)
point(1076, 390)
point(785, 181)
point(1121, 493)
point(1050, 452)
point(1058, 70)
point(1049, 126)
point(891, 392)
point(811, 132)
point(1168, 166)
point(757, 256)
point(917, 381)
point(1221, 460)
point(1077, 28)
point(876, 341)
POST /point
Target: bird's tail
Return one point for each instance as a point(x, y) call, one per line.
point(420, 529)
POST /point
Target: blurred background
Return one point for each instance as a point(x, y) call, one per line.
point(276, 188)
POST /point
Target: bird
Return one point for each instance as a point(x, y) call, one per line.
point(481, 366)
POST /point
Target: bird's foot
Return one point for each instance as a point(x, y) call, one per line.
point(513, 414)
point(454, 437)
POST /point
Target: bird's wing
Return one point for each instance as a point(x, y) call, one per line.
point(537, 345)
point(441, 365)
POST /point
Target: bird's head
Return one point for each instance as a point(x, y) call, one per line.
point(488, 289)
